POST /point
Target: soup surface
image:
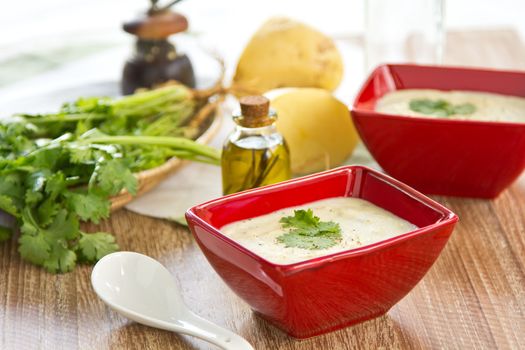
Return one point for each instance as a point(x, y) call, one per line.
point(463, 105)
point(361, 223)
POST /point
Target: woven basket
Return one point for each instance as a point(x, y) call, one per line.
point(209, 122)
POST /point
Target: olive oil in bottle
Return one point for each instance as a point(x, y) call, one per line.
point(255, 153)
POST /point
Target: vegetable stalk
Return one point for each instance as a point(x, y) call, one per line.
point(172, 142)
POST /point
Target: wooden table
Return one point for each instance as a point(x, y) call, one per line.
point(473, 297)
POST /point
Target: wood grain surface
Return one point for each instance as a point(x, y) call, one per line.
point(472, 298)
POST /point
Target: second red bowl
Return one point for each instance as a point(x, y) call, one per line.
point(442, 156)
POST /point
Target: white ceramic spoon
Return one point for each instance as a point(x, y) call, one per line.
point(144, 291)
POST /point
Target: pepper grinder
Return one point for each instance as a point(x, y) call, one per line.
point(155, 60)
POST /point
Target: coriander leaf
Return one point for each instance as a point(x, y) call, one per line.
point(89, 206)
point(55, 184)
point(440, 108)
point(49, 247)
point(47, 211)
point(28, 228)
point(36, 180)
point(64, 226)
point(29, 225)
point(34, 249)
point(60, 259)
point(328, 227)
point(309, 242)
point(81, 154)
point(466, 108)
point(46, 158)
point(5, 233)
point(93, 246)
point(13, 136)
point(11, 185)
point(7, 205)
point(112, 176)
point(301, 219)
point(308, 231)
point(33, 197)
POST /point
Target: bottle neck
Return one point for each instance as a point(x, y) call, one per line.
point(262, 130)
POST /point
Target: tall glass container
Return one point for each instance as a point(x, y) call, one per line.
point(403, 31)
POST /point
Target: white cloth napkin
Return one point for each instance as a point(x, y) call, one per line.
point(192, 184)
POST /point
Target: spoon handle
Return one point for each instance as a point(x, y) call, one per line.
point(201, 328)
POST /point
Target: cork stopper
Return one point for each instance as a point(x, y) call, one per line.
point(157, 26)
point(254, 106)
point(255, 111)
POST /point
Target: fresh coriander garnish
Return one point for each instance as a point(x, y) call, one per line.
point(440, 108)
point(308, 231)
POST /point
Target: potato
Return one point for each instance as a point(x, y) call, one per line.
point(317, 127)
point(285, 53)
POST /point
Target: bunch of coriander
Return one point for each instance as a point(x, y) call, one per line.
point(59, 169)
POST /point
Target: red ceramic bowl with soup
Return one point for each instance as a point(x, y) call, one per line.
point(442, 155)
point(325, 293)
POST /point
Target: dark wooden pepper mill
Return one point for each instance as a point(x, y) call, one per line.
point(155, 59)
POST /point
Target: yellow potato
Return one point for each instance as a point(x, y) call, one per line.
point(285, 53)
point(317, 127)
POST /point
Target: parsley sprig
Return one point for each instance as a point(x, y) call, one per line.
point(307, 231)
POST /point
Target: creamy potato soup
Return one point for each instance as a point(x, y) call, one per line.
point(464, 105)
point(297, 238)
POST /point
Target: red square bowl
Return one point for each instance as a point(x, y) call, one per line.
point(442, 156)
point(323, 294)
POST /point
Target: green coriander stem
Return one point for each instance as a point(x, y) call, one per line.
point(190, 156)
point(165, 94)
point(172, 142)
point(65, 118)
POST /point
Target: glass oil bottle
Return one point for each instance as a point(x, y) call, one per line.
point(255, 154)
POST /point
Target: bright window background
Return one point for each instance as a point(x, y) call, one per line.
point(25, 24)
point(83, 38)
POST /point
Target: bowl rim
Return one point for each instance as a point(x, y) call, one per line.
point(354, 108)
point(448, 217)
